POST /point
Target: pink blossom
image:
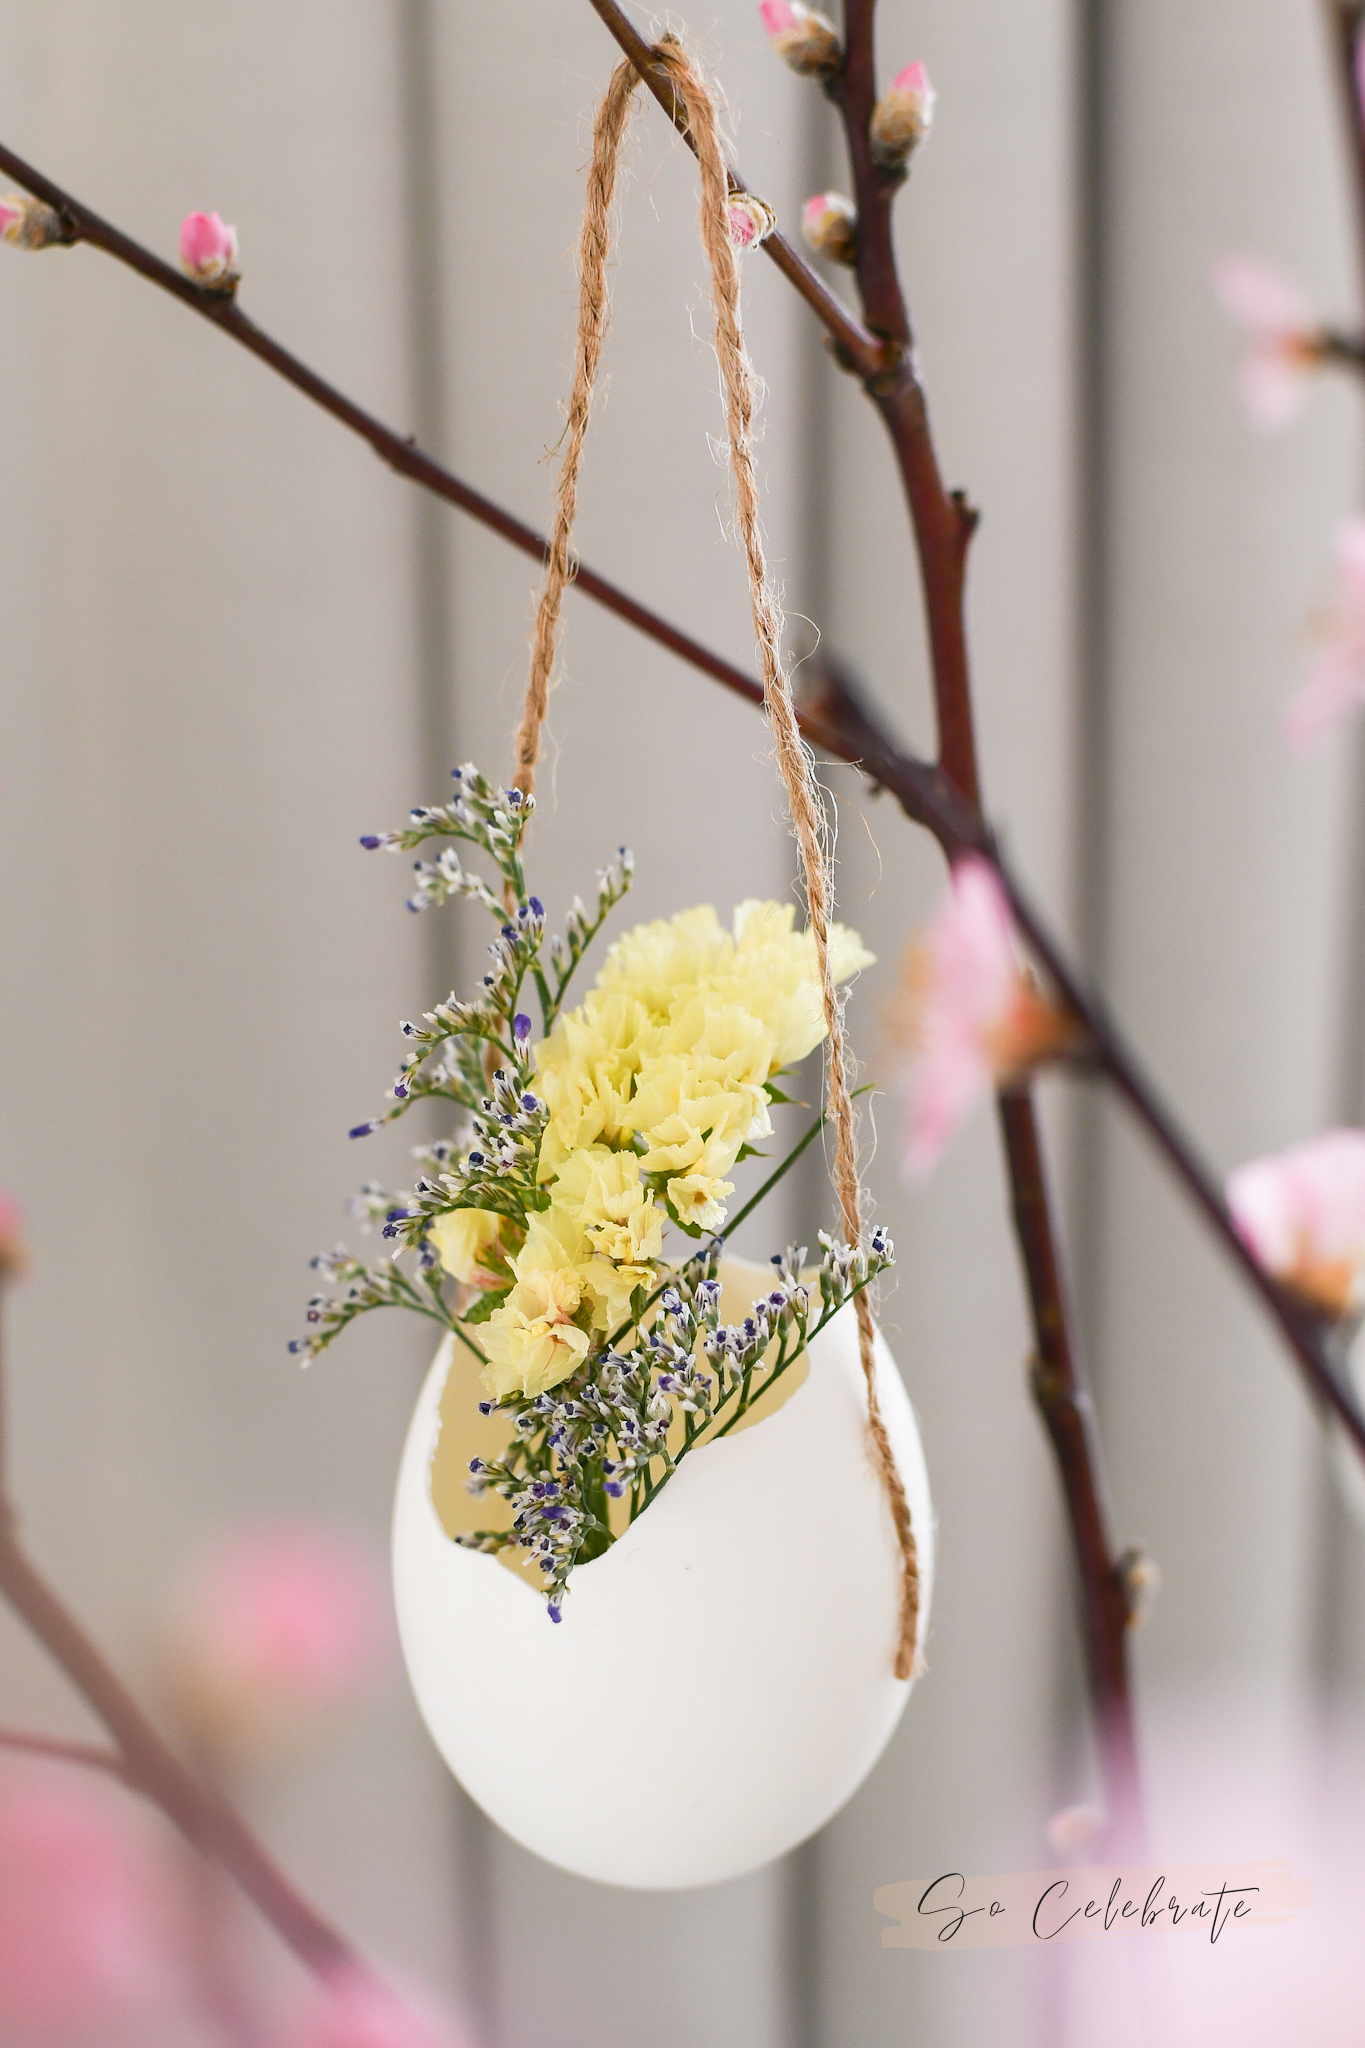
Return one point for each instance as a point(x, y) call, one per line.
point(28, 223)
point(829, 223)
point(1334, 682)
point(902, 117)
point(1302, 1212)
point(358, 2010)
point(284, 1622)
point(969, 1012)
point(83, 1939)
point(208, 248)
point(1284, 346)
point(802, 36)
point(752, 220)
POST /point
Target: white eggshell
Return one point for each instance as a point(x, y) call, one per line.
point(721, 1682)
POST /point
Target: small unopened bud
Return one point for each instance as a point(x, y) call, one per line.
point(829, 223)
point(752, 220)
point(803, 37)
point(28, 223)
point(1141, 1578)
point(208, 251)
point(902, 118)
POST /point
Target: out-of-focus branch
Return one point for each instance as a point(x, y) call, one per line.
point(1345, 22)
point(51, 1749)
point(147, 1763)
point(201, 1814)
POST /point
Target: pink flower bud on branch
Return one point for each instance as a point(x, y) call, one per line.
point(1334, 682)
point(803, 37)
point(752, 220)
point(902, 118)
point(208, 251)
point(28, 223)
point(829, 223)
point(1302, 1213)
point(970, 1014)
point(1286, 342)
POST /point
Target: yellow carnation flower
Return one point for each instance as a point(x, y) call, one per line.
point(585, 1070)
point(532, 1341)
point(464, 1240)
point(700, 1198)
point(619, 1218)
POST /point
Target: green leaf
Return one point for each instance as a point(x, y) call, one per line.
point(485, 1305)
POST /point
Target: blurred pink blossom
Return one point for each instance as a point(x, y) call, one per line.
point(802, 36)
point(1271, 379)
point(360, 2011)
point(10, 216)
point(1302, 1212)
point(208, 248)
point(902, 117)
point(283, 1622)
point(829, 223)
point(1334, 682)
point(1073, 1828)
point(83, 1935)
point(969, 1013)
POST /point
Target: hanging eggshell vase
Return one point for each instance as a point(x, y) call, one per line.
point(721, 1682)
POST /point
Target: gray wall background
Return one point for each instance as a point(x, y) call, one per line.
point(232, 641)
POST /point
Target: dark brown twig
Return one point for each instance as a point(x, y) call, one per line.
point(943, 525)
point(1345, 21)
point(863, 350)
point(403, 455)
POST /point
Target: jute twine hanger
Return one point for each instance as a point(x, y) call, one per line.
point(793, 757)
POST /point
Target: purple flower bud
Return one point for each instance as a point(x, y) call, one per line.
point(362, 1130)
point(536, 906)
point(370, 840)
point(521, 1026)
point(400, 1089)
point(554, 1612)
